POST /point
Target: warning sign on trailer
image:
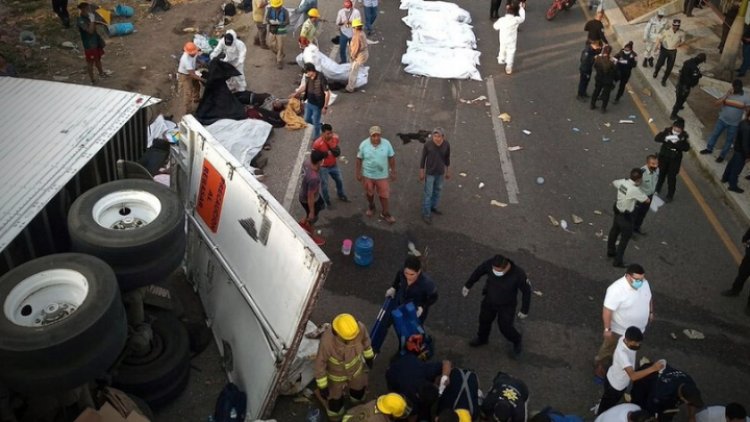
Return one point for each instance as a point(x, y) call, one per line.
point(211, 195)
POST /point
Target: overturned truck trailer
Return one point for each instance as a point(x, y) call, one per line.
point(257, 273)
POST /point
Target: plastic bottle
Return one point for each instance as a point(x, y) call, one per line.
point(363, 251)
point(346, 247)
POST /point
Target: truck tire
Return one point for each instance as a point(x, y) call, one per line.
point(62, 323)
point(152, 271)
point(126, 222)
point(163, 371)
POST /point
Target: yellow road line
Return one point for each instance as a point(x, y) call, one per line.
point(707, 211)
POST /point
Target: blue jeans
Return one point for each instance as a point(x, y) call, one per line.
point(343, 43)
point(433, 185)
point(335, 174)
point(745, 59)
point(312, 116)
point(731, 132)
point(371, 13)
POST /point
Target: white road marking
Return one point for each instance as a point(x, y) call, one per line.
point(304, 146)
point(502, 144)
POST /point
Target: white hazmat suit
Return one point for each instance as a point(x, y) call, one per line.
point(508, 35)
point(234, 55)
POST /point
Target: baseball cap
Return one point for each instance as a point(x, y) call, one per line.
point(375, 129)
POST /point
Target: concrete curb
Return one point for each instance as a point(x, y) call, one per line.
point(624, 32)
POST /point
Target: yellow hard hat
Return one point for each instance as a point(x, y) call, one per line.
point(346, 326)
point(313, 13)
point(463, 415)
point(392, 404)
point(356, 22)
point(277, 3)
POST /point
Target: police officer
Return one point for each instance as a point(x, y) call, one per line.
point(650, 174)
point(661, 393)
point(411, 284)
point(627, 59)
point(628, 195)
point(507, 400)
point(504, 280)
point(690, 75)
point(674, 141)
point(742, 273)
point(668, 41)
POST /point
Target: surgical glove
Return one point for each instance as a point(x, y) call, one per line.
point(420, 310)
point(391, 292)
point(443, 384)
point(465, 291)
point(522, 315)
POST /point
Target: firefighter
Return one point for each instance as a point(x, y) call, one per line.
point(386, 408)
point(343, 352)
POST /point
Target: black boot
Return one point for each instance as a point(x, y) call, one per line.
point(651, 61)
point(645, 62)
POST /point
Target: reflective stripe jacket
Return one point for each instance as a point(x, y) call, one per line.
point(340, 361)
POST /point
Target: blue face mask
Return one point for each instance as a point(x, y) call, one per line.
point(637, 284)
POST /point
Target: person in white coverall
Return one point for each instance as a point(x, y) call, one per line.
point(234, 53)
point(650, 33)
point(508, 34)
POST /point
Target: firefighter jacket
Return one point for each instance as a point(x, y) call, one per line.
point(341, 361)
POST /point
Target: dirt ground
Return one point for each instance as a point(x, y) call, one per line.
point(144, 61)
point(635, 8)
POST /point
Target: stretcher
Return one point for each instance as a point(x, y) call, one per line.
point(405, 322)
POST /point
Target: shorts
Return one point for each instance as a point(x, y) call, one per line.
point(319, 205)
point(93, 54)
point(380, 186)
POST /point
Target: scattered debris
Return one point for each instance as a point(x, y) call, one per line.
point(413, 249)
point(591, 297)
point(540, 180)
point(646, 92)
point(498, 204)
point(608, 124)
point(538, 293)
point(410, 105)
point(575, 129)
point(693, 334)
point(487, 104)
point(605, 139)
point(462, 174)
point(553, 221)
point(576, 219)
point(664, 243)
point(190, 29)
point(564, 225)
point(651, 120)
point(673, 335)
point(505, 117)
point(68, 44)
point(632, 117)
point(626, 121)
point(371, 42)
point(143, 67)
point(27, 37)
point(515, 148)
point(481, 185)
point(597, 212)
point(526, 132)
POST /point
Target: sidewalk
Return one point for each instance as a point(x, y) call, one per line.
point(700, 113)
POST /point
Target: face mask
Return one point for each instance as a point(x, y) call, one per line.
point(627, 51)
point(498, 273)
point(652, 169)
point(637, 284)
point(676, 133)
point(636, 347)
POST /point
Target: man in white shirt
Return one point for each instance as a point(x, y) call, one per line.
point(626, 412)
point(507, 26)
point(344, 20)
point(188, 80)
point(733, 412)
point(626, 303)
point(622, 371)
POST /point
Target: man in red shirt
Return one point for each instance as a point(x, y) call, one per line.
point(328, 143)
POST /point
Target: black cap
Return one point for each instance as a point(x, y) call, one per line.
point(680, 123)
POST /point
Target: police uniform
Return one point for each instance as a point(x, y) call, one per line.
point(648, 186)
point(507, 400)
point(628, 195)
point(743, 272)
point(670, 158)
point(669, 40)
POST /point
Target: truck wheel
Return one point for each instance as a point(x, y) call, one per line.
point(62, 323)
point(163, 368)
point(136, 226)
point(126, 222)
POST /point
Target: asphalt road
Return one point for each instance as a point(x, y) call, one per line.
point(578, 152)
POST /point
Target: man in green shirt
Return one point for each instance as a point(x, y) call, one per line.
point(375, 166)
point(93, 44)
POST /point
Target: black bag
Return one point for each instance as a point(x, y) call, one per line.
point(230, 9)
point(231, 405)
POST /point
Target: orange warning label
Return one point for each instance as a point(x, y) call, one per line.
point(211, 195)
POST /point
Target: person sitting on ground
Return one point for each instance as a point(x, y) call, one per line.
point(507, 401)
point(625, 412)
point(732, 412)
point(662, 393)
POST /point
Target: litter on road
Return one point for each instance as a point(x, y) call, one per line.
point(553, 221)
point(462, 174)
point(693, 334)
point(576, 219)
point(498, 204)
point(481, 185)
point(626, 121)
point(540, 180)
point(538, 293)
point(515, 148)
point(526, 132)
point(505, 117)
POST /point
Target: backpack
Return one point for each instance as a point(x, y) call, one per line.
point(231, 405)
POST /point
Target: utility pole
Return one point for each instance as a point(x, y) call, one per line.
point(726, 67)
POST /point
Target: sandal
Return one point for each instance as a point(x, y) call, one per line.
point(388, 218)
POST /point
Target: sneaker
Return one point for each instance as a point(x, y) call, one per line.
point(477, 342)
point(645, 62)
point(508, 71)
point(436, 211)
point(663, 82)
point(427, 219)
point(343, 198)
point(736, 189)
point(730, 293)
point(651, 61)
point(720, 159)
point(388, 218)
point(655, 75)
point(706, 151)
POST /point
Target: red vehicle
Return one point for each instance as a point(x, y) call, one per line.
point(557, 6)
